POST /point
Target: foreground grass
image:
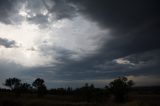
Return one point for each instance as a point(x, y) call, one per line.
point(50, 100)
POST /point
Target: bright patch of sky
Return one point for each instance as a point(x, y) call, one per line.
point(78, 35)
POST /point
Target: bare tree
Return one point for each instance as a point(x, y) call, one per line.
point(40, 86)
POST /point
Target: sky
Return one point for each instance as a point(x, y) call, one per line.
point(73, 42)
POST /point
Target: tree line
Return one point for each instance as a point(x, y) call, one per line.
point(18, 87)
point(118, 88)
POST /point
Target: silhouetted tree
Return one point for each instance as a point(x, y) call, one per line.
point(25, 87)
point(40, 86)
point(12, 83)
point(120, 88)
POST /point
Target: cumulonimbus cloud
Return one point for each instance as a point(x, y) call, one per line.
point(93, 39)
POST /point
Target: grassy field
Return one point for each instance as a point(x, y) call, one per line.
point(7, 99)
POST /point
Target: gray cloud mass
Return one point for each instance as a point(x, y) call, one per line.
point(7, 43)
point(132, 50)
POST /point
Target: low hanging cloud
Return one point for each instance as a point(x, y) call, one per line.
point(7, 43)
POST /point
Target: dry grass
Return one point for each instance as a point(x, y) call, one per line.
point(50, 100)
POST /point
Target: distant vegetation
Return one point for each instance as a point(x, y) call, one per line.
point(117, 91)
point(119, 88)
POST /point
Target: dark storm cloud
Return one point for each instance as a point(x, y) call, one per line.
point(63, 54)
point(62, 8)
point(134, 24)
point(7, 43)
point(39, 19)
point(140, 64)
point(143, 64)
point(146, 63)
point(7, 7)
point(134, 27)
point(119, 14)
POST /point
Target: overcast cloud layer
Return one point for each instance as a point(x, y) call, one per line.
point(70, 42)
